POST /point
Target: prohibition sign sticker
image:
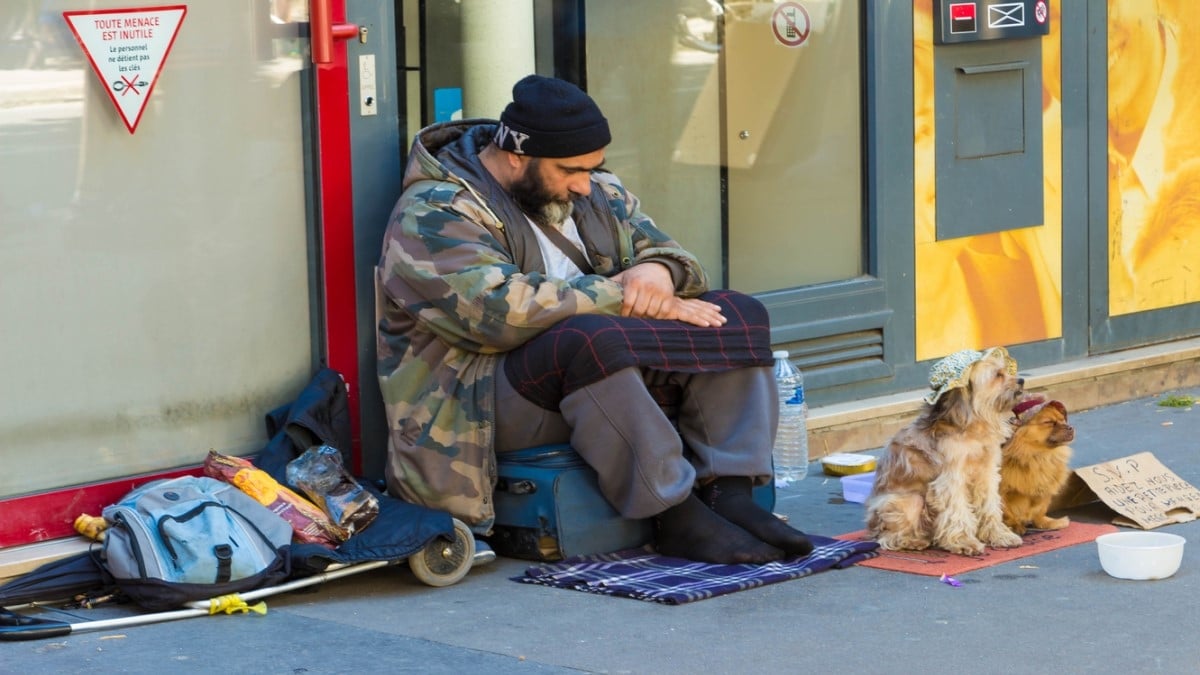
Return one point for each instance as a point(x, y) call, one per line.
point(127, 48)
point(791, 24)
point(1040, 12)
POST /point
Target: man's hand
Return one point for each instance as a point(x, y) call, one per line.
point(650, 294)
point(648, 286)
point(692, 310)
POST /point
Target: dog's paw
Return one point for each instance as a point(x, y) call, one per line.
point(971, 547)
point(1005, 539)
point(903, 543)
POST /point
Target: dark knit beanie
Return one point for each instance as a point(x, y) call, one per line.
point(551, 118)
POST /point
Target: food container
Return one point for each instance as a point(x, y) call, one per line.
point(846, 464)
point(1140, 555)
point(857, 487)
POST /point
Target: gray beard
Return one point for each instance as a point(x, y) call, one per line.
point(552, 214)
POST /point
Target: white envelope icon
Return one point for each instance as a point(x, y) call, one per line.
point(1007, 15)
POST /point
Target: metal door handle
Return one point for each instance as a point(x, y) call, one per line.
point(322, 31)
point(993, 67)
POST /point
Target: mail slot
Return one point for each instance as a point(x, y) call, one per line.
point(988, 116)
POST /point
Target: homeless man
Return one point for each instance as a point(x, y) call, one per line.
point(525, 299)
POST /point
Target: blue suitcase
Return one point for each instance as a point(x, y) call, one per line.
point(549, 507)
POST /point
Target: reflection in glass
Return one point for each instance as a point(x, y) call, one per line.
point(155, 292)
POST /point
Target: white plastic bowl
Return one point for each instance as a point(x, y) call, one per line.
point(1140, 555)
point(857, 487)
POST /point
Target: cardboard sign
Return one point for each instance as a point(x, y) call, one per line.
point(1142, 492)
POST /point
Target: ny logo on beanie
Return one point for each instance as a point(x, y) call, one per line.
point(503, 132)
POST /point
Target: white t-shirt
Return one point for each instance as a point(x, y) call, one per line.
point(558, 265)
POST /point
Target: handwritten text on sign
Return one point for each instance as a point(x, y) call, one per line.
point(1140, 488)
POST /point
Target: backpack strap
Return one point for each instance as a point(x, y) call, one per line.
point(568, 248)
point(224, 555)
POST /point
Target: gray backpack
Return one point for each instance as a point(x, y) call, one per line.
point(192, 538)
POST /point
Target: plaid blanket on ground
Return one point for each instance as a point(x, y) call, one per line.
point(585, 349)
point(643, 575)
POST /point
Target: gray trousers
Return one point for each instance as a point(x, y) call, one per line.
point(726, 424)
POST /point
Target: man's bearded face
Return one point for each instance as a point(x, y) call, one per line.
point(537, 199)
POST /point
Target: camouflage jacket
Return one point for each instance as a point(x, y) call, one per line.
point(461, 281)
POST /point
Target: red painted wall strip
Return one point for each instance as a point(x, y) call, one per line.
point(51, 515)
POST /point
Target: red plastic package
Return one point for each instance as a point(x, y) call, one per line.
point(309, 523)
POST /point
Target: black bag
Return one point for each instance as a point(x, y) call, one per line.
point(192, 538)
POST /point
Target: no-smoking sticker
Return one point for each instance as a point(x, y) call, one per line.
point(1041, 12)
point(791, 24)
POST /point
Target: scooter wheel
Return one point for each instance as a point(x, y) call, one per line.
point(442, 562)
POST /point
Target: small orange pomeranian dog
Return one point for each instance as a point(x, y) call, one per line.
point(1034, 465)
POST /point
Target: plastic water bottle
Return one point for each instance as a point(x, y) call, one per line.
point(791, 439)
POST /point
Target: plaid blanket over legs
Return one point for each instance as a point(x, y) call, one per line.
point(586, 348)
point(643, 575)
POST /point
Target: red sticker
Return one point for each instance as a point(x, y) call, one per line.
point(962, 17)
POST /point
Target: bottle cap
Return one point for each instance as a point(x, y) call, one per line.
point(780, 354)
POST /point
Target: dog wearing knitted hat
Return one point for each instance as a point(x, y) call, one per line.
point(938, 483)
point(1035, 464)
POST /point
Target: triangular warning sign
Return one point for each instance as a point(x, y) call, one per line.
point(127, 48)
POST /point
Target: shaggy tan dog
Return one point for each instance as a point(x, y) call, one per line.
point(1035, 465)
point(938, 483)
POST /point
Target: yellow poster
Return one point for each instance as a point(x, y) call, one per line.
point(1153, 160)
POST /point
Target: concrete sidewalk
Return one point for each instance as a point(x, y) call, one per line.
point(1056, 612)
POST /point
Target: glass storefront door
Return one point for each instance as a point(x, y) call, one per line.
point(760, 99)
point(155, 293)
